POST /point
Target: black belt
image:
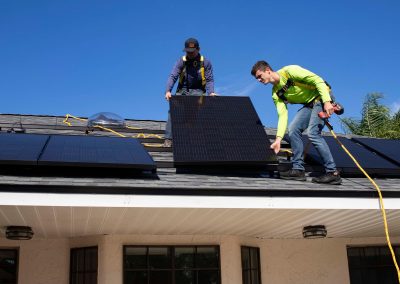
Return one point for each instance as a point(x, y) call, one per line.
point(312, 103)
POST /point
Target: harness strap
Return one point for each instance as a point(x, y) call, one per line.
point(183, 73)
point(281, 92)
point(290, 82)
point(184, 76)
point(202, 71)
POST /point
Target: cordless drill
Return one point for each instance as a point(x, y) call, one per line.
point(337, 108)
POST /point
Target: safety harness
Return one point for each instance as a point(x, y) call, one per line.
point(184, 76)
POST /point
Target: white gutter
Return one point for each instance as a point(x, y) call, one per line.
point(177, 201)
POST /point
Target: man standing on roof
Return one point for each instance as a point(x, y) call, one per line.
point(296, 85)
point(195, 75)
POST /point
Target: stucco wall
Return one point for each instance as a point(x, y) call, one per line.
point(282, 261)
point(304, 261)
point(41, 261)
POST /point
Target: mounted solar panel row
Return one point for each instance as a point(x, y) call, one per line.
point(218, 131)
point(21, 149)
point(74, 151)
point(370, 161)
point(387, 148)
point(91, 151)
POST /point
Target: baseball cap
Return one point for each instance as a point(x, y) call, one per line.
point(191, 44)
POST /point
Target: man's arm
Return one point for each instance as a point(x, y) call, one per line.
point(208, 73)
point(282, 111)
point(176, 71)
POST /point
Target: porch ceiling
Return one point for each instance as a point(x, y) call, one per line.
point(74, 221)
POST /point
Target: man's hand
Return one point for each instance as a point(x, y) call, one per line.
point(213, 94)
point(276, 146)
point(168, 95)
point(328, 107)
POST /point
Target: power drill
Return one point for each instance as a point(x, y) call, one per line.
point(337, 108)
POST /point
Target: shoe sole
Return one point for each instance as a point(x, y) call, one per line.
point(335, 182)
point(295, 178)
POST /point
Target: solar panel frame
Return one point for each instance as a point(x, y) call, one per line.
point(218, 131)
point(371, 163)
point(21, 148)
point(96, 152)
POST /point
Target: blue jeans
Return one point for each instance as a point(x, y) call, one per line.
point(307, 118)
point(184, 92)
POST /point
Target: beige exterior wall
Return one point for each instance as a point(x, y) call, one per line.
point(41, 261)
point(282, 261)
point(304, 261)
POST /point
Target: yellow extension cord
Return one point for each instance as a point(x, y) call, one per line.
point(377, 188)
point(380, 201)
point(139, 135)
point(288, 151)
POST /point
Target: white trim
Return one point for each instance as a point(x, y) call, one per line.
point(174, 201)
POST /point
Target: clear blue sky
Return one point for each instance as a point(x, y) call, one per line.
point(83, 57)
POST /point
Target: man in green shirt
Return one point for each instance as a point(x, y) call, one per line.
point(296, 85)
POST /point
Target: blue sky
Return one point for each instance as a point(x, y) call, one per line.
point(83, 57)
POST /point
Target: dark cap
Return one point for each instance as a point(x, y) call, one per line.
point(191, 44)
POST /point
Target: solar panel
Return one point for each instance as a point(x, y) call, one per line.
point(21, 149)
point(371, 162)
point(387, 148)
point(218, 131)
point(97, 152)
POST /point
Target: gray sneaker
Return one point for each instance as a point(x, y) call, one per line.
point(167, 143)
point(329, 178)
point(293, 175)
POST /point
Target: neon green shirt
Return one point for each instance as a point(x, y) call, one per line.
point(308, 86)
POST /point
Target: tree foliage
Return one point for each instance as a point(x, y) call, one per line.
point(376, 120)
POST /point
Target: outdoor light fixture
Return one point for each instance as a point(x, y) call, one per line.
point(19, 233)
point(314, 232)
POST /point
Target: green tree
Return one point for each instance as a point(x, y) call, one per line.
point(376, 120)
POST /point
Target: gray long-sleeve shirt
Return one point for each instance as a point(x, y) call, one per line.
point(193, 80)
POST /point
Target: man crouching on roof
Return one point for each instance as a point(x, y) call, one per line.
point(296, 85)
point(195, 73)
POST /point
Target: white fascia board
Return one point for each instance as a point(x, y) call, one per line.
point(177, 201)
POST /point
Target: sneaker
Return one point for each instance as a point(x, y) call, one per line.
point(167, 143)
point(329, 178)
point(293, 175)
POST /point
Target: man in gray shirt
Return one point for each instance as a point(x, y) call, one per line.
point(195, 75)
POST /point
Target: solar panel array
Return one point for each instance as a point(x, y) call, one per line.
point(74, 151)
point(218, 131)
point(387, 148)
point(371, 162)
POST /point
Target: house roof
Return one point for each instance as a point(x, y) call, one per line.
point(167, 180)
point(259, 205)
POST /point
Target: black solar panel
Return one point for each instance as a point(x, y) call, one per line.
point(387, 148)
point(92, 151)
point(215, 131)
point(371, 162)
point(21, 149)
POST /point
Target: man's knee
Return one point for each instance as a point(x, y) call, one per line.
point(314, 135)
point(315, 129)
point(293, 130)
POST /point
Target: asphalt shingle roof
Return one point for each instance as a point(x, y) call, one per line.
point(167, 181)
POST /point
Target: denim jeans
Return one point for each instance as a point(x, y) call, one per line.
point(184, 92)
point(307, 118)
